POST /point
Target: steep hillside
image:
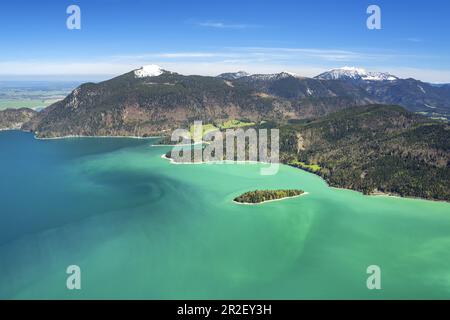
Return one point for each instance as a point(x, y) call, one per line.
point(151, 101)
point(374, 149)
point(131, 105)
point(15, 118)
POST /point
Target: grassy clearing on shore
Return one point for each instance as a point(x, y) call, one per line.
point(302, 165)
point(231, 124)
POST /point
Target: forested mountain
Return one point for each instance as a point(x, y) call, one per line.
point(15, 118)
point(359, 86)
point(375, 148)
point(136, 105)
point(150, 100)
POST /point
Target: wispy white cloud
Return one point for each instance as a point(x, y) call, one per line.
point(313, 53)
point(187, 55)
point(173, 55)
point(303, 61)
point(415, 40)
point(266, 54)
point(223, 25)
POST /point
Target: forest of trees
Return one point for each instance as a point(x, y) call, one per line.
point(260, 196)
point(374, 149)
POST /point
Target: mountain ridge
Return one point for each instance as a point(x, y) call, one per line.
point(14, 119)
point(375, 149)
point(334, 128)
point(150, 100)
point(357, 74)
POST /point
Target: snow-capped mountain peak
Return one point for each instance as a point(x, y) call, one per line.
point(353, 73)
point(151, 70)
point(292, 74)
point(241, 74)
point(265, 77)
point(274, 76)
point(233, 75)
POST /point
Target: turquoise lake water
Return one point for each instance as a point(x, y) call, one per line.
point(140, 227)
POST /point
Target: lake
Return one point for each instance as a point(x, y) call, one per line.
point(140, 227)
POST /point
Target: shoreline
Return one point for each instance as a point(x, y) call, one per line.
point(78, 136)
point(387, 195)
point(11, 129)
point(163, 156)
point(378, 194)
point(176, 145)
point(274, 200)
point(97, 137)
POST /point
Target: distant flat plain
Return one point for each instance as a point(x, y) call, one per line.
point(33, 94)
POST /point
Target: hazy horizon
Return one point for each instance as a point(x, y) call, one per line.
point(206, 38)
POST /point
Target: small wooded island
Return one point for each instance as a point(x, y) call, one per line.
point(260, 196)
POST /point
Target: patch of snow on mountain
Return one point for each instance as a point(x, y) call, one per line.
point(379, 76)
point(353, 73)
point(151, 70)
point(241, 74)
point(421, 89)
point(233, 75)
point(274, 76)
point(353, 70)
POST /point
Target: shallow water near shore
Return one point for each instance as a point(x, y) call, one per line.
point(140, 227)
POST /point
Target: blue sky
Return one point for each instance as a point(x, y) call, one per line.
point(209, 37)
